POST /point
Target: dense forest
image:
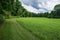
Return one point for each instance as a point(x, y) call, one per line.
point(10, 8)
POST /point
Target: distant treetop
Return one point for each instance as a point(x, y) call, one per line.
point(57, 7)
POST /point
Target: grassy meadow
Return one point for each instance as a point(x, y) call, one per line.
point(30, 29)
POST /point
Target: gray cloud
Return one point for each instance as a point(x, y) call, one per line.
point(33, 3)
point(46, 5)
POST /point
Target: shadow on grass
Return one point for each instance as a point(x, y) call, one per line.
point(1, 23)
point(53, 18)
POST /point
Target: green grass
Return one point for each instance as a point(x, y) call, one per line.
point(30, 29)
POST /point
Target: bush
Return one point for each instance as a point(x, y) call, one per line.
point(1, 19)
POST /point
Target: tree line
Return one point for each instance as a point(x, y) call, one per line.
point(55, 13)
point(10, 8)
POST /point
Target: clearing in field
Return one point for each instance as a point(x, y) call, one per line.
point(30, 29)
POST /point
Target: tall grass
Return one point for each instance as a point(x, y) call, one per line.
point(30, 29)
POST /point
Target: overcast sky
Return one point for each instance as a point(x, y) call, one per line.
point(39, 5)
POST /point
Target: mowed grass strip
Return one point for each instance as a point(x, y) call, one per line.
point(12, 30)
point(43, 28)
point(30, 29)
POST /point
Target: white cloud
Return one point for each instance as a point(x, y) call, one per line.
point(30, 8)
point(31, 5)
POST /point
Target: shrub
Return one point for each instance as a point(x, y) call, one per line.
point(1, 19)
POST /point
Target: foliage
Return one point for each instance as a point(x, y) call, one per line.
point(5, 6)
point(1, 19)
point(57, 7)
point(56, 12)
point(15, 8)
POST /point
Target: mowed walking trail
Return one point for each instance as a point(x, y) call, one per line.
point(12, 30)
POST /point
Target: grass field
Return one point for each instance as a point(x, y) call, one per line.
point(30, 29)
